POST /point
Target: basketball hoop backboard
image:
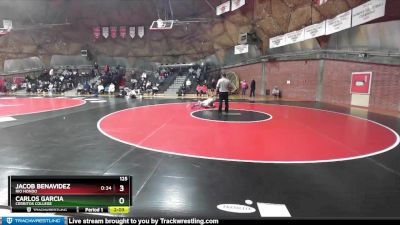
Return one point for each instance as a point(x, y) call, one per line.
point(162, 25)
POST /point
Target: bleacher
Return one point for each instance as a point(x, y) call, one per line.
point(176, 85)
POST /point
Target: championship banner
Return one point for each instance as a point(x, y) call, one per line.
point(105, 32)
point(368, 11)
point(223, 8)
point(315, 30)
point(113, 32)
point(237, 4)
point(339, 23)
point(122, 31)
point(7, 24)
point(141, 31)
point(132, 32)
point(277, 41)
point(96, 32)
point(241, 49)
point(294, 37)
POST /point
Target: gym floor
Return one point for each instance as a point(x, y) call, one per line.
point(318, 160)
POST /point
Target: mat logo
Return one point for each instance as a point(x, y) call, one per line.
point(9, 220)
point(236, 208)
point(265, 209)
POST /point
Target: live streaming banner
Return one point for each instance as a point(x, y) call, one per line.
point(139, 221)
point(160, 221)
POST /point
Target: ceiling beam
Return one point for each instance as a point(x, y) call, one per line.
point(209, 4)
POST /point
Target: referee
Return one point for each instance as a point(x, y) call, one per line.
point(223, 87)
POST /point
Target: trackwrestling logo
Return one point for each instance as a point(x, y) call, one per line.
point(237, 208)
point(33, 220)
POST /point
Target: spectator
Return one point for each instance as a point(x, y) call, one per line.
point(199, 90)
point(275, 92)
point(213, 85)
point(100, 88)
point(106, 69)
point(51, 88)
point(144, 76)
point(244, 87)
point(182, 91)
point(198, 73)
point(149, 88)
point(204, 89)
point(86, 88)
point(14, 87)
point(111, 88)
point(188, 83)
point(8, 86)
point(252, 88)
point(79, 89)
point(155, 89)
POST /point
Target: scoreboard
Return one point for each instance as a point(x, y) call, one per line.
point(76, 194)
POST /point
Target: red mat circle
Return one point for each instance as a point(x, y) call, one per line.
point(22, 106)
point(294, 135)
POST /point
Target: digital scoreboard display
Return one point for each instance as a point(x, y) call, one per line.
point(76, 194)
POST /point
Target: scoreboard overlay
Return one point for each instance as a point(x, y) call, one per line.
point(76, 194)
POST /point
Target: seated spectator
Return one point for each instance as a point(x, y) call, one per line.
point(106, 68)
point(276, 92)
point(96, 66)
point(198, 73)
point(155, 89)
point(204, 89)
point(51, 88)
point(111, 88)
point(14, 87)
point(79, 88)
point(34, 88)
point(182, 91)
point(188, 84)
point(100, 89)
point(161, 79)
point(8, 86)
point(86, 88)
point(94, 89)
point(148, 85)
point(28, 87)
point(144, 76)
point(199, 90)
